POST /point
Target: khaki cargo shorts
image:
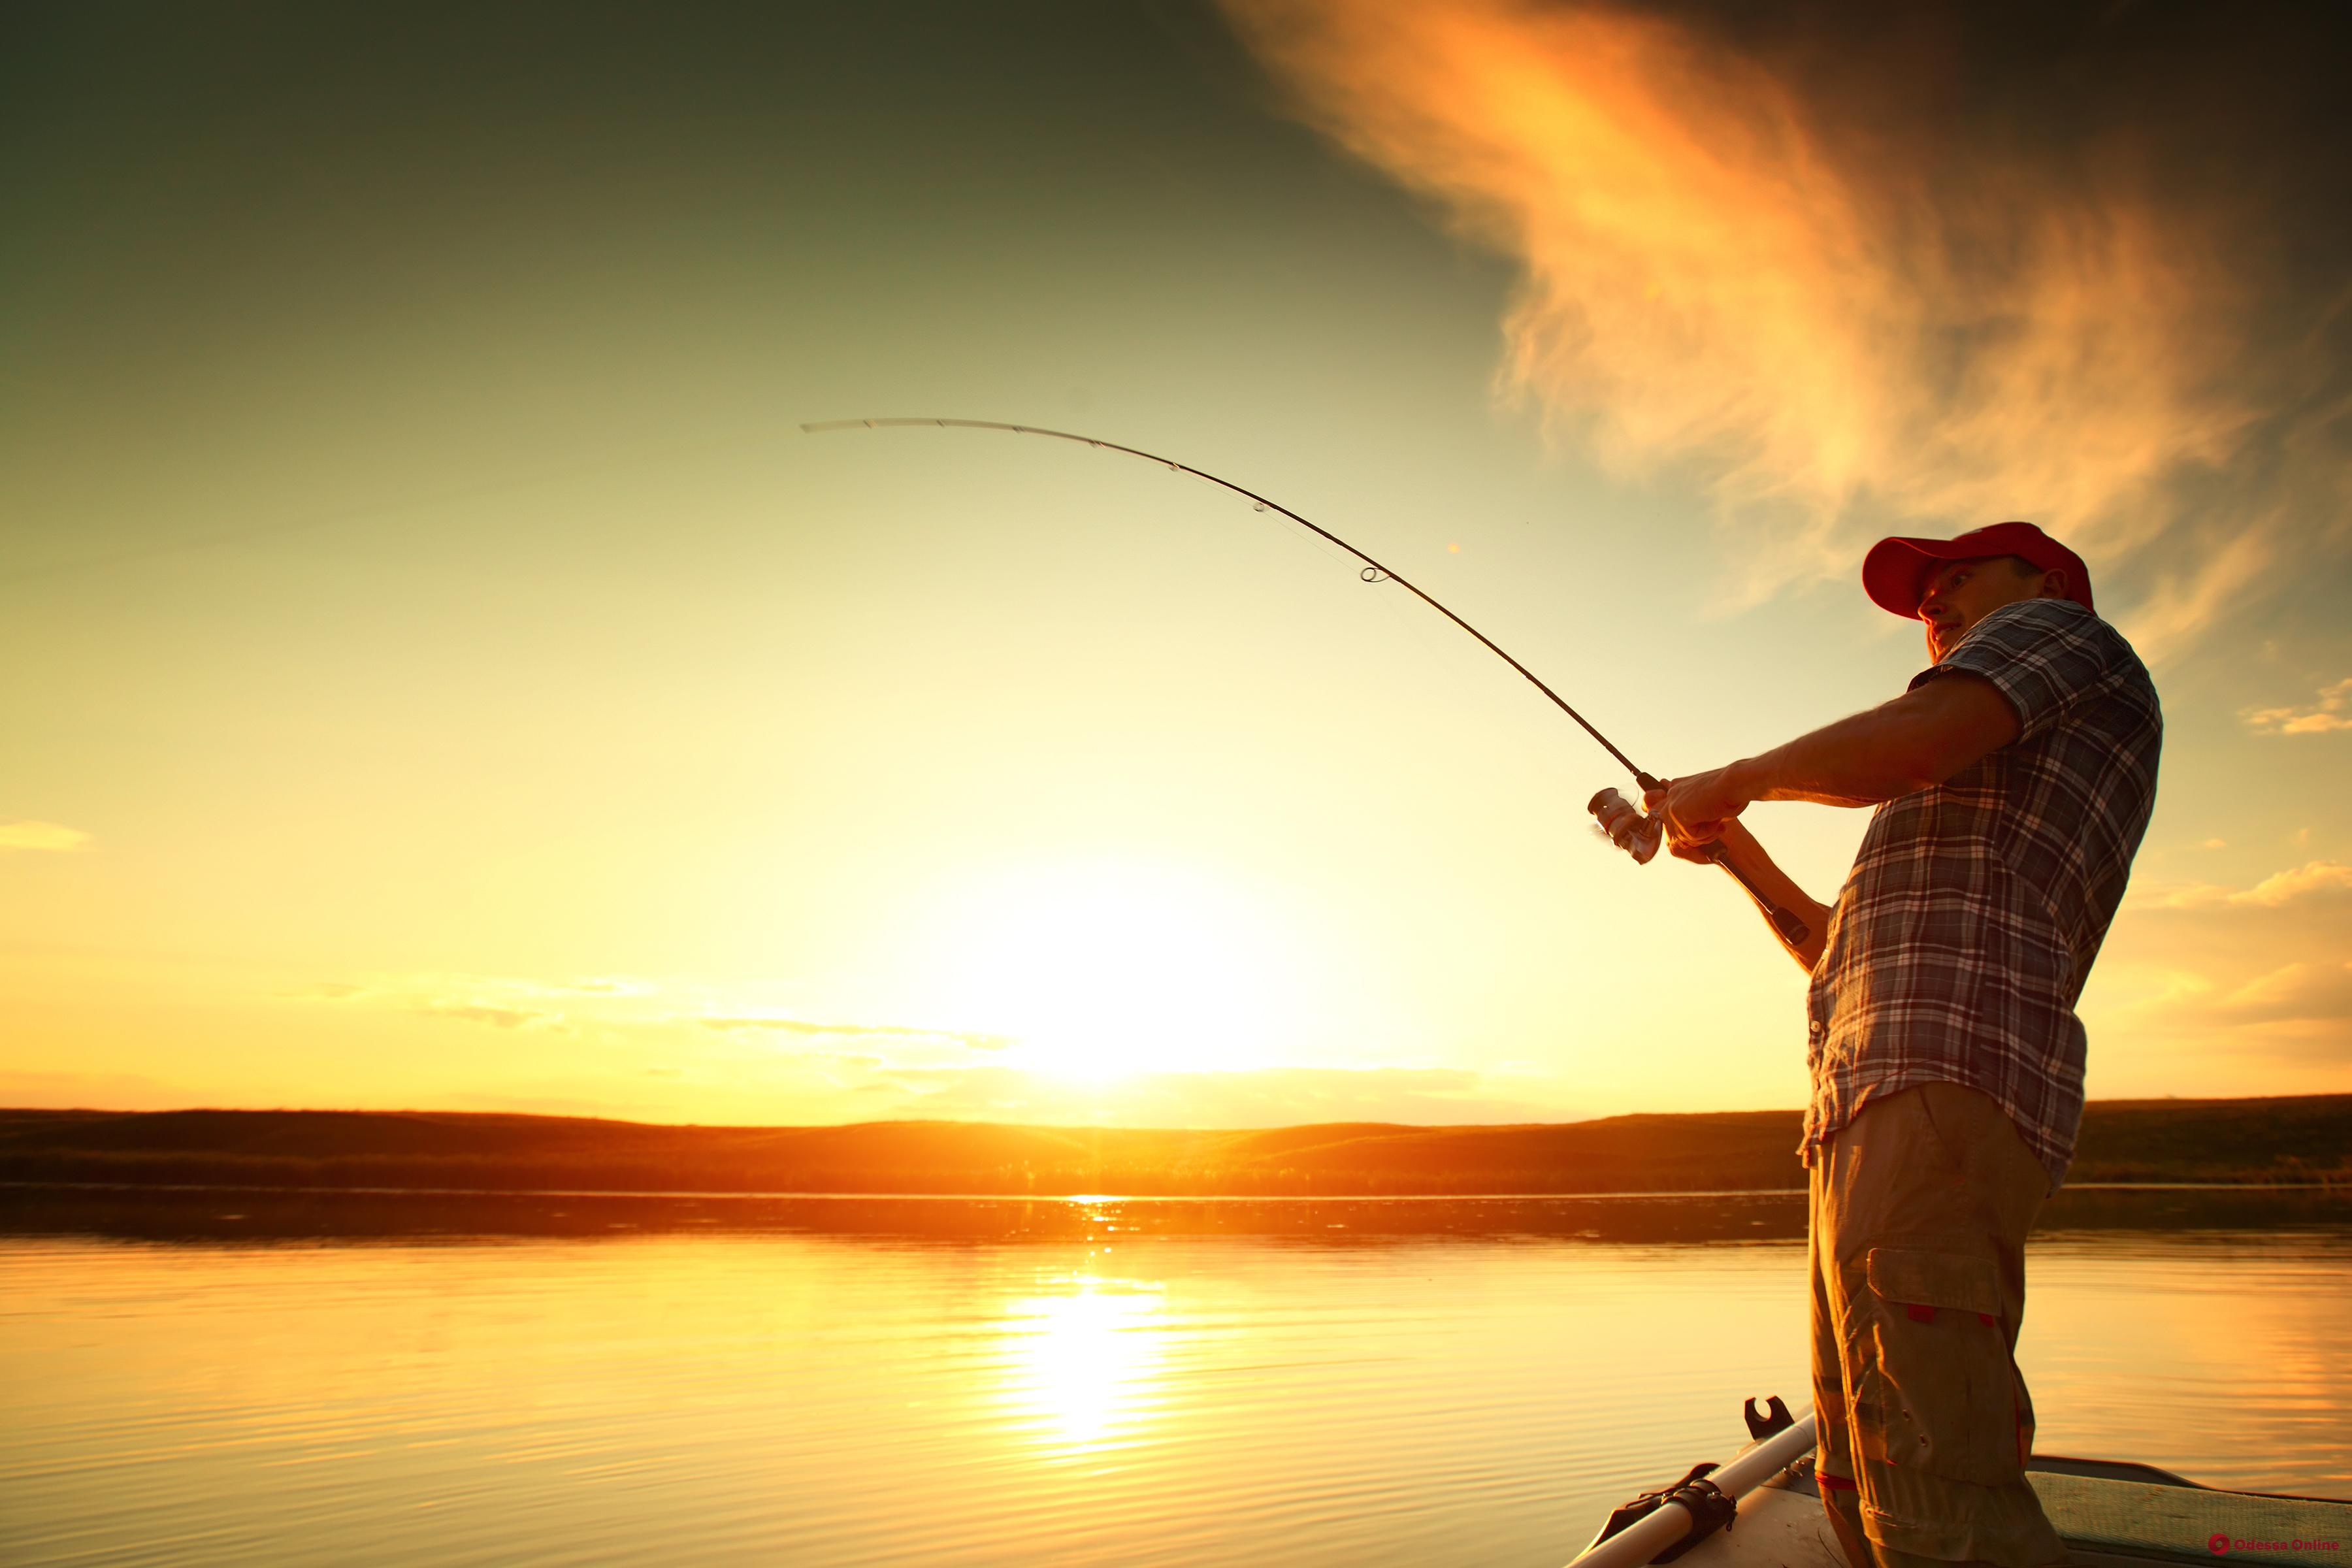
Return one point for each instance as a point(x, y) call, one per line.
point(1919, 1211)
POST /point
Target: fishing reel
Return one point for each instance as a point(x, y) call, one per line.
point(1626, 826)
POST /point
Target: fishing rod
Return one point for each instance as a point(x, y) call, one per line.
point(1640, 840)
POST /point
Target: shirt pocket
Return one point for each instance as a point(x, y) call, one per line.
point(1938, 1390)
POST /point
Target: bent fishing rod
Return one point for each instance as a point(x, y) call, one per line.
point(1641, 842)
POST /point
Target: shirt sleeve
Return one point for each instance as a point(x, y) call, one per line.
point(2043, 655)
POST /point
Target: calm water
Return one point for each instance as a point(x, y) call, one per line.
point(1105, 1385)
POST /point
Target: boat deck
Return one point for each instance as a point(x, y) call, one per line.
point(2111, 1516)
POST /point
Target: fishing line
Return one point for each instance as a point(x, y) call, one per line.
point(1646, 839)
point(1373, 570)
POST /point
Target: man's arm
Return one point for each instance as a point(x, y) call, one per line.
point(1916, 742)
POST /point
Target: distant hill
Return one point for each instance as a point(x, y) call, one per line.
point(2284, 1139)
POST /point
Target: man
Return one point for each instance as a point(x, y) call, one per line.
point(2013, 781)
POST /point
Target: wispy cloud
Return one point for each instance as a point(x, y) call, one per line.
point(499, 1002)
point(2292, 1013)
point(2201, 980)
point(810, 1026)
point(2328, 713)
point(2294, 993)
point(710, 1023)
point(495, 1018)
point(1827, 292)
point(2214, 570)
point(50, 835)
point(2313, 880)
point(2308, 880)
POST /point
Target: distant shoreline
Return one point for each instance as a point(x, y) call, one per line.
point(2285, 1144)
point(265, 1215)
point(704, 1195)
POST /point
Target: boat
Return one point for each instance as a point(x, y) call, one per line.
point(1760, 1508)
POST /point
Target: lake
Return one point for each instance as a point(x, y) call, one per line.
point(261, 1379)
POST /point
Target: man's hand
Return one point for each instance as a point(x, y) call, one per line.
point(1698, 808)
point(1654, 802)
point(1714, 835)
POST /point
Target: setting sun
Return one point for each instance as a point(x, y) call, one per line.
point(1101, 969)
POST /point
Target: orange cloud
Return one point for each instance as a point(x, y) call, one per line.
point(2303, 882)
point(495, 1018)
point(2293, 1013)
point(2327, 714)
point(2296, 993)
point(1844, 313)
point(2309, 880)
point(2204, 976)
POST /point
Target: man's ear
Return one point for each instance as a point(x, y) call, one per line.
point(2053, 584)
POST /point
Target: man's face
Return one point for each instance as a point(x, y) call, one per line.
point(1959, 594)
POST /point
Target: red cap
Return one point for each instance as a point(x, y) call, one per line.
point(1895, 571)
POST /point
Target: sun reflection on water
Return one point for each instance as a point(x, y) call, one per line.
point(1084, 1365)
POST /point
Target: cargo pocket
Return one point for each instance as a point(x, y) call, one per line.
point(1938, 1391)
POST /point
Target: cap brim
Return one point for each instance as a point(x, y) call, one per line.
point(1894, 572)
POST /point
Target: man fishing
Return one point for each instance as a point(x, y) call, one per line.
point(2013, 781)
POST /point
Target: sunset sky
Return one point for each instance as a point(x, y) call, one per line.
point(438, 671)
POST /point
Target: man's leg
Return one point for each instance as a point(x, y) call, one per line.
point(1833, 1435)
point(1923, 1202)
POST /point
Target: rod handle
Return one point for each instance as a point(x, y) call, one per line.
point(1787, 923)
point(1643, 839)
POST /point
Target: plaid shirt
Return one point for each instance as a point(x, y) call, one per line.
point(1967, 925)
